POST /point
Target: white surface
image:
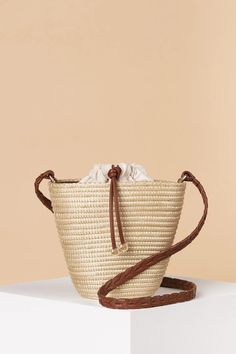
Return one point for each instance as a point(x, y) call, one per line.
point(49, 317)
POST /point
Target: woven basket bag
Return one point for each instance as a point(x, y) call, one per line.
point(122, 263)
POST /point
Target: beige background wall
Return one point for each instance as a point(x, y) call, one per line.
point(151, 82)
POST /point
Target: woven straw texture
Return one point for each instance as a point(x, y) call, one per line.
point(150, 213)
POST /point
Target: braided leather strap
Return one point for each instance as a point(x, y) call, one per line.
point(45, 175)
point(189, 288)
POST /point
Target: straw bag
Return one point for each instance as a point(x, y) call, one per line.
point(124, 275)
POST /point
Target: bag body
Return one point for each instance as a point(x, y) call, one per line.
point(147, 215)
point(150, 213)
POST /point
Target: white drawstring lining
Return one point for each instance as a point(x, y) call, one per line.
point(130, 172)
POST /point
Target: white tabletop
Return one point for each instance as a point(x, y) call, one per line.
point(49, 316)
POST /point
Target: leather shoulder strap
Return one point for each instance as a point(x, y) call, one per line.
point(45, 175)
point(189, 288)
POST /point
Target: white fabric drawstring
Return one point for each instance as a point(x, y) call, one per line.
point(130, 172)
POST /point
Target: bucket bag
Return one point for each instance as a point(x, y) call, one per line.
point(117, 237)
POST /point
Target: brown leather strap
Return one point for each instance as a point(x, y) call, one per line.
point(114, 174)
point(131, 272)
point(188, 293)
point(45, 175)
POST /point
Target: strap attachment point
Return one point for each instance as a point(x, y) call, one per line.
point(45, 175)
point(182, 179)
point(123, 248)
point(115, 251)
point(52, 178)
